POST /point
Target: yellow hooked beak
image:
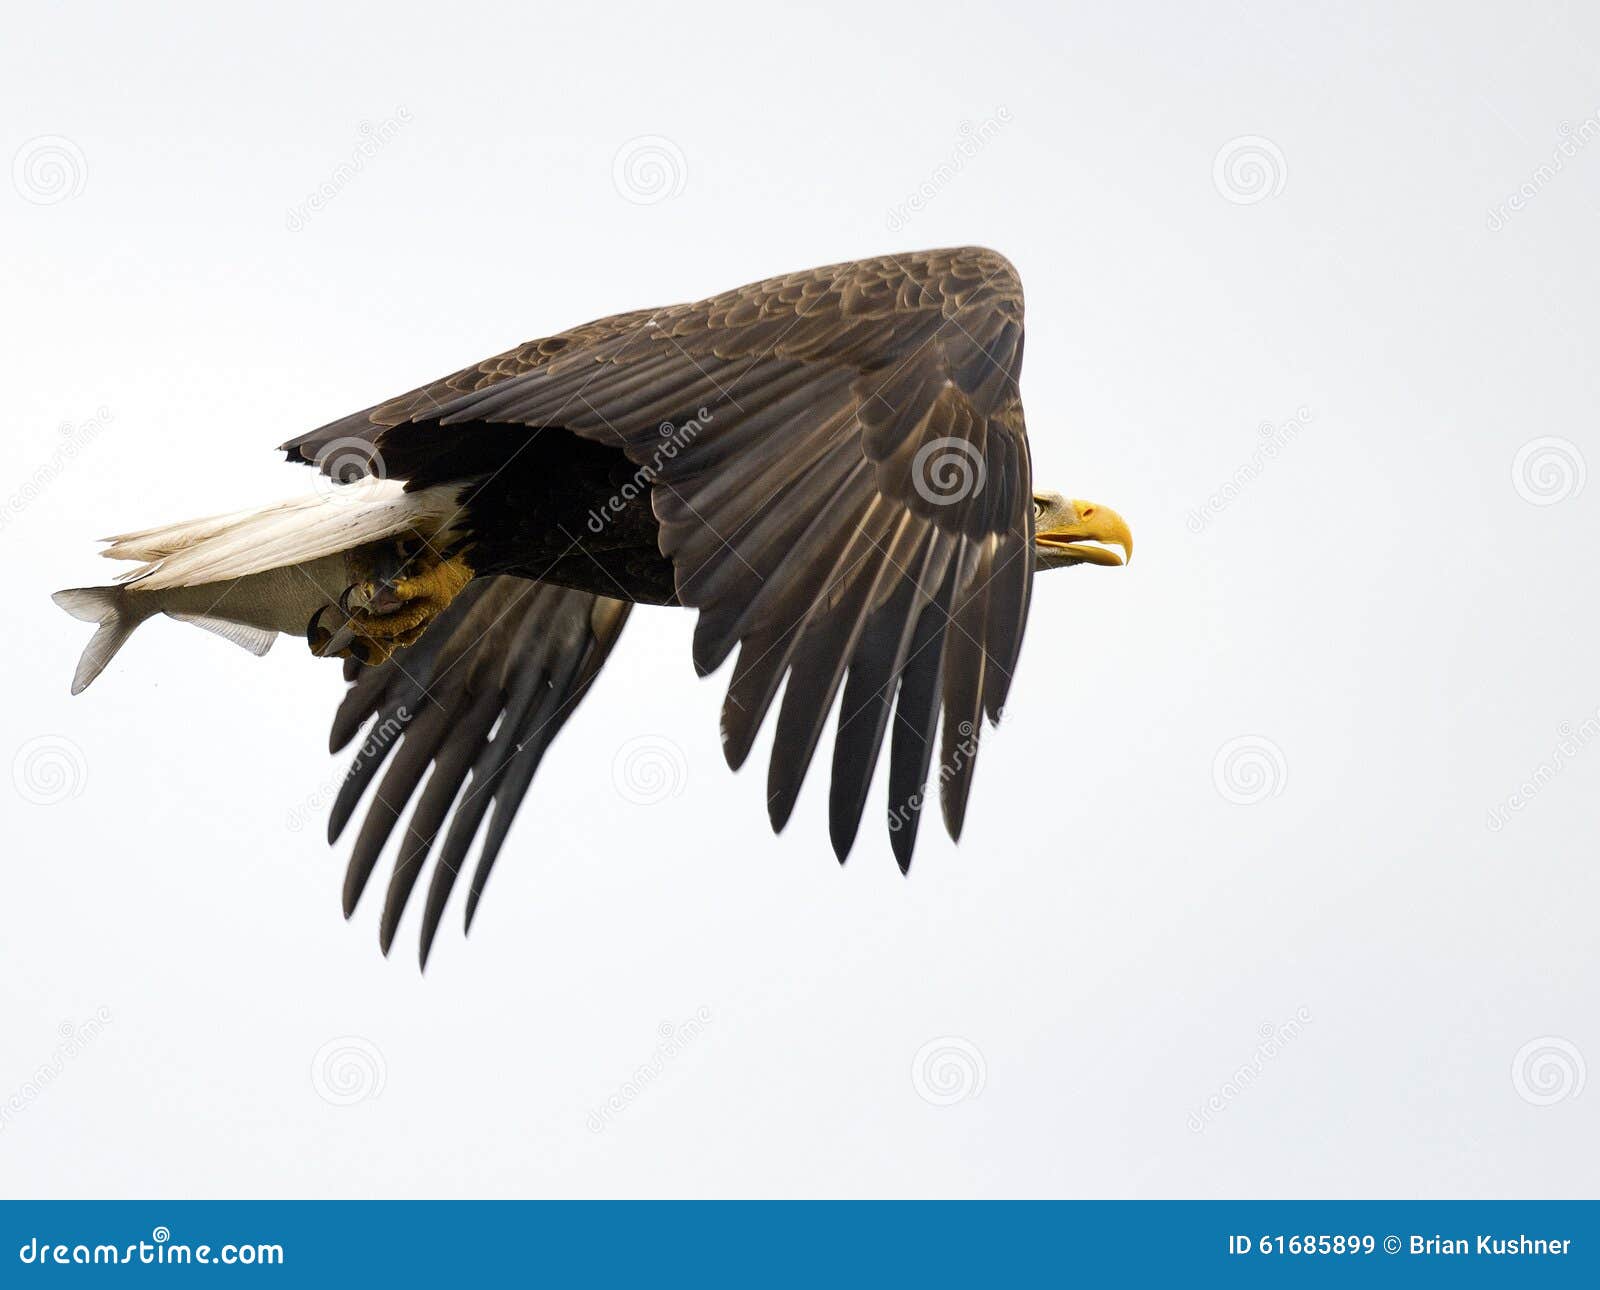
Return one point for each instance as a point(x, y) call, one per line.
point(1082, 522)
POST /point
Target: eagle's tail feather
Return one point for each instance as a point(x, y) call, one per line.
point(322, 523)
point(113, 609)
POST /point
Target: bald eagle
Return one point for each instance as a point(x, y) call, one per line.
point(830, 466)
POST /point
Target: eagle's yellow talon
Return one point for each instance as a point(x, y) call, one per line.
point(439, 581)
point(386, 613)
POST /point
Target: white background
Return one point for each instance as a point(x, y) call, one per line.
point(1382, 607)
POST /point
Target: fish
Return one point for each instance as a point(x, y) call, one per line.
point(251, 576)
point(250, 611)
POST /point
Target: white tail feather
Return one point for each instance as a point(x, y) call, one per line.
point(153, 543)
point(291, 532)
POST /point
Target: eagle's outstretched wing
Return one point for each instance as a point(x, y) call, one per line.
point(853, 508)
point(479, 698)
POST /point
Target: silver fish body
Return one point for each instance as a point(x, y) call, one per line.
point(250, 611)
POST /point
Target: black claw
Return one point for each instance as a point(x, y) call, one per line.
point(339, 640)
point(316, 635)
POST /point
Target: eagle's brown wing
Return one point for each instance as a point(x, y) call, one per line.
point(478, 698)
point(847, 498)
point(321, 446)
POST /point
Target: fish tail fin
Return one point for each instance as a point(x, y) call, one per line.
point(112, 609)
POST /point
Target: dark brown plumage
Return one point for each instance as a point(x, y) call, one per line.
point(507, 650)
point(803, 519)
